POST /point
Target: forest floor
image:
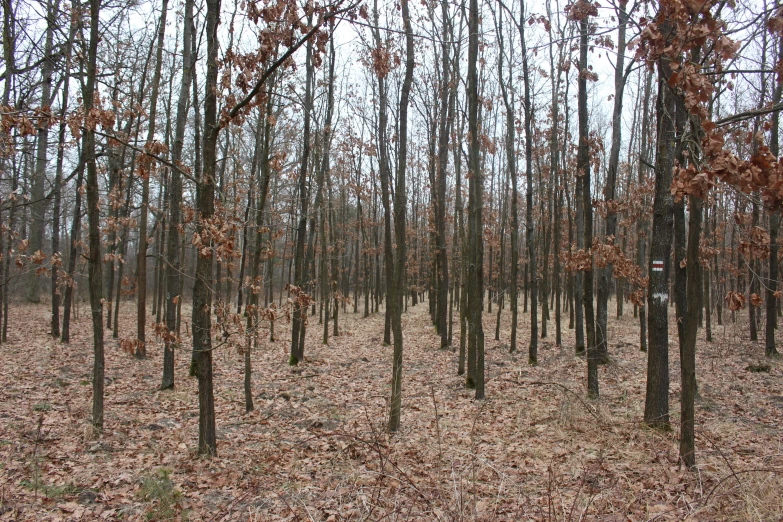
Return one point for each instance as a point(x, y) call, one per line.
point(315, 448)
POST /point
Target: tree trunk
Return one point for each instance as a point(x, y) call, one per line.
point(400, 203)
point(174, 262)
point(641, 224)
point(445, 124)
point(300, 266)
point(475, 286)
point(76, 225)
point(511, 166)
point(39, 203)
point(94, 219)
point(605, 274)
point(147, 168)
point(201, 322)
point(530, 230)
point(774, 226)
point(58, 188)
point(688, 348)
point(656, 407)
point(583, 170)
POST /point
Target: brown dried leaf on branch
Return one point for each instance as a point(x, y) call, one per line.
point(735, 301)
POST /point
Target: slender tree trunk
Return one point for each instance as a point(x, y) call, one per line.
point(445, 125)
point(512, 167)
point(641, 225)
point(530, 229)
point(123, 247)
point(688, 349)
point(463, 249)
point(400, 204)
point(174, 261)
point(39, 203)
point(475, 286)
point(706, 280)
point(774, 226)
point(554, 151)
point(141, 263)
point(300, 311)
point(610, 223)
point(754, 278)
point(58, 189)
point(204, 278)
point(500, 292)
point(583, 169)
point(94, 218)
point(73, 255)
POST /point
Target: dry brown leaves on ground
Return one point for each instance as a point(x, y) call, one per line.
point(316, 449)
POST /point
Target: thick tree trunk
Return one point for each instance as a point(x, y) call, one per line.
point(656, 407)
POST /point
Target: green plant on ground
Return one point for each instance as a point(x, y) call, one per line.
point(159, 491)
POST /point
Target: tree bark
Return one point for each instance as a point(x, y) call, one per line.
point(688, 349)
point(610, 223)
point(204, 278)
point(583, 170)
point(94, 218)
point(511, 166)
point(656, 407)
point(400, 204)
point(300, 266)
point(141, 263)
point(475, 286)
point(174, 262)
point(771, 325)
point(40, 203)
point(530, 229)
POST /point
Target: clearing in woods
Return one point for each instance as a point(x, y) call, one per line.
point(316, 448)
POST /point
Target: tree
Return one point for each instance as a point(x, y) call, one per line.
point(39, 201)
point(475, 237)
point(173, 265)
point(146, 172)
point(94, 218)
point(300, 307)
point(774, 226)
point(58, 182)
point(400, 204)
point(444, 129)
point(581, 12)
point(656, 406)
point(530, 229)
point(610, 223)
